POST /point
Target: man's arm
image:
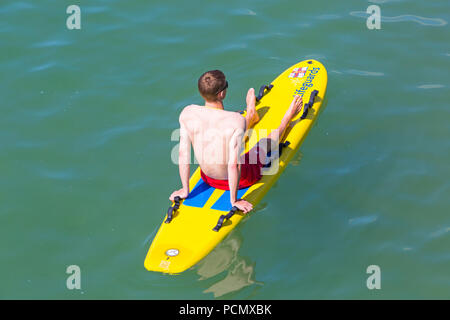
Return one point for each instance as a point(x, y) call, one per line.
point(184, 157)
point(234, 172)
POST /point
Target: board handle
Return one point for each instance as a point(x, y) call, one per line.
point(280, 150)
point(309, 104)
point(172, 209)
point(225, 217)
point(262, 91)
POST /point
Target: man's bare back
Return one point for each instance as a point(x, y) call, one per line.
point(211, 132)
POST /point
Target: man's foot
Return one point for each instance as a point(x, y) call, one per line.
point(295, 107)
point(251, 116)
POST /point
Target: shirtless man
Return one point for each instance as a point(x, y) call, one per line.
point(217, 137)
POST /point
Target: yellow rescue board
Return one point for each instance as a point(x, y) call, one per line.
point(189, 237)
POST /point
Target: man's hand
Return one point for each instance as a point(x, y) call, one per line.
point(243, 205)
point(180, 193)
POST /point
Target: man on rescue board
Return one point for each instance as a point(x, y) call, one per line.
point(217, 139)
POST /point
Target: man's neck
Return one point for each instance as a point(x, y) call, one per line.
point(214, 104)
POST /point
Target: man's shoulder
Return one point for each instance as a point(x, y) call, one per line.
point(237, 118)
point(187, 110)
point(232, 119)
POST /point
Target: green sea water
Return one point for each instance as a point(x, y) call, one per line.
point(85, 148)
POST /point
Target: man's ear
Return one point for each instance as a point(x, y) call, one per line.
point(222, 94)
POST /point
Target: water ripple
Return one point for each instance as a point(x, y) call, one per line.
point(97, 9)
point(243, 12)
point(440, 232)
point(329, 16)
point(57, 174)
point(435, 22)
point(366, 73)
point(360, 221)
point(51, 43)
point(430, 86)
point(16, 6)
point(43, 67)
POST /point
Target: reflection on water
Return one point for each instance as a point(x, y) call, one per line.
point(296, 159)
point(239, 276)
point(240, 271)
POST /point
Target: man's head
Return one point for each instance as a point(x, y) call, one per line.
point(212, 85)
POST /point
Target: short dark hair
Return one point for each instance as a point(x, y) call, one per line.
point(210, 84)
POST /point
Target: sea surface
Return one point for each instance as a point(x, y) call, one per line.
point(85, 148)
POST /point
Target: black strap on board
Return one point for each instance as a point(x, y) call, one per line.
point(172, 209)
point(225, 217)
point(280, 150)
point(309, 104)
point(262, 91)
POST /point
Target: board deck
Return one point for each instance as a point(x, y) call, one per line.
point(190, 233)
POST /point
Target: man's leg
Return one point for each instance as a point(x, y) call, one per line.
point(275, 136)
point(252, 116)
point(260, 150)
